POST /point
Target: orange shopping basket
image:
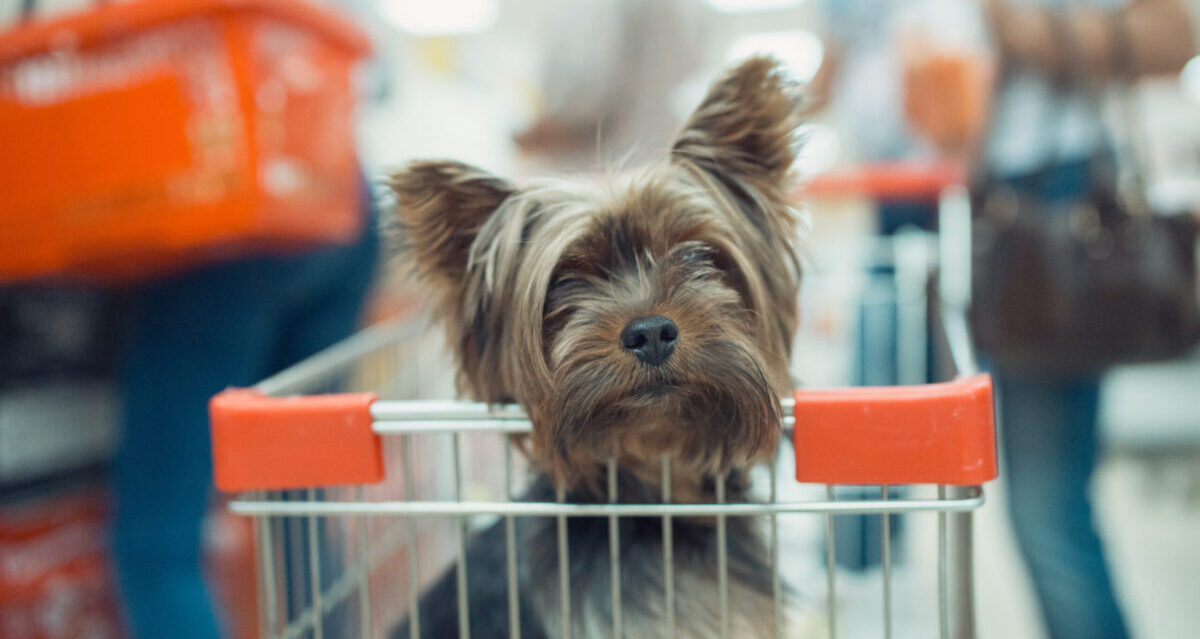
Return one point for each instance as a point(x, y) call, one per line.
point(145, 135)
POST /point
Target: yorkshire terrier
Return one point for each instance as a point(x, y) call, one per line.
point(647, 321)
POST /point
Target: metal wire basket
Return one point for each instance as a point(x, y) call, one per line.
point(360, 499)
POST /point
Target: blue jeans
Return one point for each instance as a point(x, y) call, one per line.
point(1049, 439)
point(192, 336)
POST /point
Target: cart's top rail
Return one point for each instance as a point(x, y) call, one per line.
point(932, 434)
point(963, 500)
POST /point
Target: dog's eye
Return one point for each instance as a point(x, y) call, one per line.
point(562, 299)
point(564, 284)
point(700, 254)
point(704, 260)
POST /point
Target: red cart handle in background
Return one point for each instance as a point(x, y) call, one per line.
point(928, 434)
point(887, 180)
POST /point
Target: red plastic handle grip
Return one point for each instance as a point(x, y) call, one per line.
point(268, 443)
point(928, 434)
point(887, 180)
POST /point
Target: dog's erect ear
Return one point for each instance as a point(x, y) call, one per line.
point(441, 207)
point(744, 125)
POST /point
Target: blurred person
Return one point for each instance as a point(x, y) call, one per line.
point(191, 336)
point(860, 85)
point(609, 78)
point(1047, 140)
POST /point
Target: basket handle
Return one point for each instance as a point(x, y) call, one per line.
point(29, 6)
point(927, 434)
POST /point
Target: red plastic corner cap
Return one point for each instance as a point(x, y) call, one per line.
point(269, 443)
point(929, 434)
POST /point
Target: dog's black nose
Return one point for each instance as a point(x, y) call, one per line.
point(652, 339)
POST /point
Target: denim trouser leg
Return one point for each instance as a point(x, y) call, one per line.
point(192, 336)
point(1049, 439)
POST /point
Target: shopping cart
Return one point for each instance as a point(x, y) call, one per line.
point(361, 499)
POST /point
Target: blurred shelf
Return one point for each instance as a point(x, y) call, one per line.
point(1152, 407)
point(55, 426)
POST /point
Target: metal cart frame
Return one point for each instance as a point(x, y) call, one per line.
point(268, 413)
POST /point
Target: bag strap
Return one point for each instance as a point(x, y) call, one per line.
point(1129, 149)
point(1071, 80)
point(1133, 150)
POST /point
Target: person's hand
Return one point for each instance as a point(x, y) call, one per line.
point(549, 135)
point(544, 135)
point(999, 18)
point(994, 12)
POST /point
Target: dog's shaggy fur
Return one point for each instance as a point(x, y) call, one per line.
point(535, 286)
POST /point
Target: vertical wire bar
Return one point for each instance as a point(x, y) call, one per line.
point(614, 551)
point(464, 606)
point(962, 585)
point(668, 552)
point(911, 259)
point(364, 575)
point(775, 584)
point(292, 551)
point(261, 569)
point(314, 572)
point(943, 573)
point(266, 547)
point(564, 569)
point(722, 562)
point(510, 550)
point(414, 608)
point(887, 567)
point(830, 568)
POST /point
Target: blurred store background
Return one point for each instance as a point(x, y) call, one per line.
point(522, 88)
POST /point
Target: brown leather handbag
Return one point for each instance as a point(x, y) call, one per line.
point(1070, 288)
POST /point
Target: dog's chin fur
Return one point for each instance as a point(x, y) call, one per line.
point(536, 284)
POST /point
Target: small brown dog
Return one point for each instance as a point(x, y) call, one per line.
point(647, 321)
